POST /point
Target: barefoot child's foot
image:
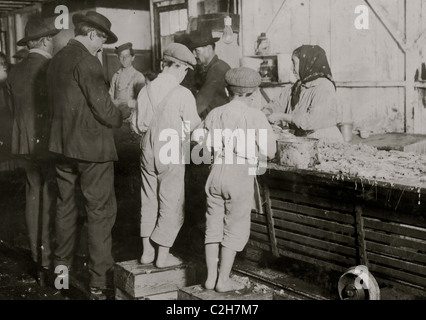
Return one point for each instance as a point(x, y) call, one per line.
point(169, 261)
point(210, 283)
point(229, 285)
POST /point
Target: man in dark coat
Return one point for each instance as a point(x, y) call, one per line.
point(212, 93)
point(83, 118)
point(31, 125)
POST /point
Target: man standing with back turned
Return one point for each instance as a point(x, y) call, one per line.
point(83, 118)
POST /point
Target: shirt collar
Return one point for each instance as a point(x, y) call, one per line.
point(42, 52)
point(169, 78)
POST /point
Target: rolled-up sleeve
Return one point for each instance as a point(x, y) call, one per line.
point(280, 103)
point(90, 77)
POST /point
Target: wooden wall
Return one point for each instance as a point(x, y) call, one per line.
point(374, 68)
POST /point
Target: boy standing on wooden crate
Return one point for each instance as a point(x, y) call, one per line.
point(230, 185)
point(164, 106)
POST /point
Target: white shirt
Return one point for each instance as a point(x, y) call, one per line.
point(182, 100)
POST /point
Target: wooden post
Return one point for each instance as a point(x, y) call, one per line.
point(270, 221)
point(360, 234)
point(412, 21)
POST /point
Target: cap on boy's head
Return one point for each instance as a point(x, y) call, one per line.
point(179, 53)
point(123, 47)
point(243, 80)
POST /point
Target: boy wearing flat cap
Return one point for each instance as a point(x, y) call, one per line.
point(126, 82)
point(164, 106)
point(230, 185)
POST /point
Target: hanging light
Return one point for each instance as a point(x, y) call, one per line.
point(228, 34)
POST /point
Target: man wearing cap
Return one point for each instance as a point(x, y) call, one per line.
point(230, 185)
point(164, 106)
point(30, 137)
point(82, 122)
point(212, 92)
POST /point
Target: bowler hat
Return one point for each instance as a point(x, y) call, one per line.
point(201, 39)
point(98, 21)
point(179, 53)
point(36, 29)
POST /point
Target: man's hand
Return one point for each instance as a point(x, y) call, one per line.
point(125, 110)
point(279, 116)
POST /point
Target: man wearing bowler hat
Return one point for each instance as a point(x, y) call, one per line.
point(212, 92)
point(30, 136)
point(82, 122)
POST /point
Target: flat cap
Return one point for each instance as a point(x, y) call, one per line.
point(243, 80)
point(179, 53)
point(123, 47)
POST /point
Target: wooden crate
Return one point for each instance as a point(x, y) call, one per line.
point(197, 292)
point(121, 295)
point(139, 281)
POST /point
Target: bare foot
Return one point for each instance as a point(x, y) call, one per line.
point(210, 283)
point(229, 285)
point(170, 261)
point(147, 257)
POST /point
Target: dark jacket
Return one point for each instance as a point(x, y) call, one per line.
point(212, 93)
point(6, 122)
point(83, 114)
point(27, 82)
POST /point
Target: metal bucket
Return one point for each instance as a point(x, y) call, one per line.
point(301, 153)
point(346, 130)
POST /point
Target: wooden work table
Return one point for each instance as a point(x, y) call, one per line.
point(339, 221)
point(394, 141)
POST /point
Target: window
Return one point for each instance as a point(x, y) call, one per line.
point(170, 16)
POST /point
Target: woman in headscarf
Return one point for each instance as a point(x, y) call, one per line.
point(310, 105)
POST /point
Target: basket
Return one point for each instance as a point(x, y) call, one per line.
point(301, 153)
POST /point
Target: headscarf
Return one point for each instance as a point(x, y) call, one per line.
point(313, 65)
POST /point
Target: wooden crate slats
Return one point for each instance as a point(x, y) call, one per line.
point(309, 188)
point(257, 244)
point(394, 240)
point(317, 243)
point(389, 214)
point(316, 253)
point(259, 218)
point(315, 222)
point(286, 253)
point(314, 232)
point(397, 263)
point(397, 228)
point(320, 213)
point(396, 252)
point(389, 273)
point(259, 237)
point(259, 228)
point(312, 200)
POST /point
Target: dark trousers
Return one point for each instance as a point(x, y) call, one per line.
point(97, 186)
point(40, 198)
